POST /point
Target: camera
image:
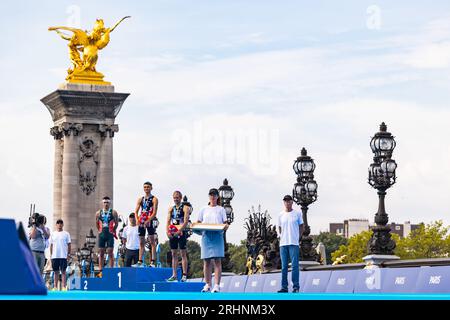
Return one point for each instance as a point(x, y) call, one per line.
point(36, 219)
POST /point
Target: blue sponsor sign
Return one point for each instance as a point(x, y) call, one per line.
point(433, 279)
point(369, 280)
point(237, 284)
point(400, 279)
point(316, 281)
point(342, 281)
point(224, 283)
point(272, 282)
point(255, 283)
point(302, 279)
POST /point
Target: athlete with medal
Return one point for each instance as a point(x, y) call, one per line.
point(177, 220)
point(148, 207)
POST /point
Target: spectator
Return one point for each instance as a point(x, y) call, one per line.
point(132, 241)
point(290, 226)
point(213, 245)
point(59, 253)
point(38, 237)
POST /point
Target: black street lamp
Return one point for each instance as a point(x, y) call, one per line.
point(83, 255)
point(305, 193)
point(226, 194)
point(90, 242)
point(382, 177)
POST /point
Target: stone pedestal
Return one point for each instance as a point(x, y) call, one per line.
point(305, 264)
point(378, 259)
point(83, 130)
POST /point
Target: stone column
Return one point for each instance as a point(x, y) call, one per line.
point(57, 173)
point(105, 170)
point(85, 173)
point(70, 180)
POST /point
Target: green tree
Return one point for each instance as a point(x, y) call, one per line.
point(238, 256)
point(428, 241)
point(331, 241)
point(356, 247)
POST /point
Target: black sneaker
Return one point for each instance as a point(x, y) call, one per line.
point(283, 291)
point(295, 291)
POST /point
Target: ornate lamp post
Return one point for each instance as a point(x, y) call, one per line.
point(90, 242)
point(83, 255)
point(305, 193)
point(226, 194)
point(381, 177)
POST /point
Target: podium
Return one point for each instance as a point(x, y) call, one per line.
point(137, 279)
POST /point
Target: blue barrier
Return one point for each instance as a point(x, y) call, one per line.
point(19, 273)
point(302, 275)
point(237, 284)
point(224, 283)
point(316, 281)
point(400, 280)
point(433, 280)
point(272, 282)
point(342, 281)
point(195, 280)
point(369, 280)
point(255, 283)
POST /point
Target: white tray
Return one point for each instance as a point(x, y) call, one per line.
point(197, 226)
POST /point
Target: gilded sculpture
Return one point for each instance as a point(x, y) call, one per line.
point(83, 51)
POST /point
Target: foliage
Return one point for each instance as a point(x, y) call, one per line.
point(238, 256)
point(428, 241)
point(355, 249)
point(331, 241)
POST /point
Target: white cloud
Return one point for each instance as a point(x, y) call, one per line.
point(330, 99)
point(434, 55)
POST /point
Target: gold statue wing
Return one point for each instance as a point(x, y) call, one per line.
point(82, 37)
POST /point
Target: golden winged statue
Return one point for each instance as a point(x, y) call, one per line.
point(87, 43)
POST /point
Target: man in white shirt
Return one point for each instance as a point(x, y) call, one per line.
point(59, 252)
point(290, 227)
point(131, 238)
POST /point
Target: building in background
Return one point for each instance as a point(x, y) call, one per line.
point(351, 227)
point(355, 226)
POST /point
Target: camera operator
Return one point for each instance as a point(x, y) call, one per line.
point(38, 236)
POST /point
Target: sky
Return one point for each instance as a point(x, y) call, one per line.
point(234, 89)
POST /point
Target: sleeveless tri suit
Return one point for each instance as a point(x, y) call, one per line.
point(105, 226)
point(146, 212)
point(177, 220)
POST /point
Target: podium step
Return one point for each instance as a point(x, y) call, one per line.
point(132, 279)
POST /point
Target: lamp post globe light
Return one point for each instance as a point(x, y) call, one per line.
point(305, 193)
point(382, 176)
point(91, 240)
point(226, 194)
